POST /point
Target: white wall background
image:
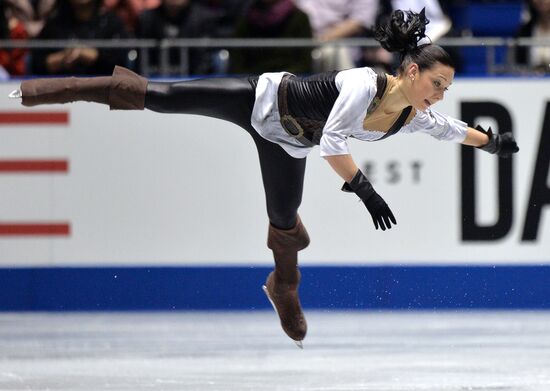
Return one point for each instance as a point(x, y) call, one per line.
point(148, 188)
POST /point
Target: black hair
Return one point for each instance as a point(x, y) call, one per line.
point(400, 34)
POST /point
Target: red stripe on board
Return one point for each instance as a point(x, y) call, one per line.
point(34, 117)
point(34, 166)
point(31, 229)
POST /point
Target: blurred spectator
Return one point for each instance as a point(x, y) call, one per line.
point(228, 12)
point(272, 19)
point(536, 58)
point(179, 19)
point(336, 19)
point(129, 10)
point(80, 19)
point(12, 61)
point(32, 13)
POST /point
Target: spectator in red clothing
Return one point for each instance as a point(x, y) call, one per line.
point(32, 13)
point(12, 61)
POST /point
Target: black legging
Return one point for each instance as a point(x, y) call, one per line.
point(232, 99)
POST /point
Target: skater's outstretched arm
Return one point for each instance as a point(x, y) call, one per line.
point(503, 144)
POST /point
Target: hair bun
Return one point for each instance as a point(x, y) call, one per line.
point(400, 34)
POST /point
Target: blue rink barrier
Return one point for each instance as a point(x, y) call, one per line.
point(239, 288)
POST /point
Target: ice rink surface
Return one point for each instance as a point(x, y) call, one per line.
point(237, 351)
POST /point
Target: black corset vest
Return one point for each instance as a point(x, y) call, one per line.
point(305, 105)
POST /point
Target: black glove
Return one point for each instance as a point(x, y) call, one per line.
point(504, 145)
point(377, 207)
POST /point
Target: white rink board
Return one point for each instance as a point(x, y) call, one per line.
point(146, 188)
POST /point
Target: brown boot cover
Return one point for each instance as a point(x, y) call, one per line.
point(282, 283)
point(65, 90)
point(127, 90)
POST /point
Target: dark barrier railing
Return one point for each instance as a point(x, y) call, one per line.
point(141, 47)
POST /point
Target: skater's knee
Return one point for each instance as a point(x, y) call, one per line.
point(282, 219)
point(158, 97)
point(127, 90)
point(294, 239)
point(282, 212)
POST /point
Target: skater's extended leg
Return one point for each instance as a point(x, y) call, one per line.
point(230, 99)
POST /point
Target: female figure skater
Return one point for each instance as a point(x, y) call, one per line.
point(288, 115)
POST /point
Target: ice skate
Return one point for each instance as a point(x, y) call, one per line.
point(15, 94)
point(281, 286)
point(286, 304)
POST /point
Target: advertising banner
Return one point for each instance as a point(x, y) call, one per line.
point(80, 185)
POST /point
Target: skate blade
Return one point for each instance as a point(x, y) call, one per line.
point(264, 288)
point(15, 94)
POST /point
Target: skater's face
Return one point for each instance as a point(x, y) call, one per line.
point(427, 87)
